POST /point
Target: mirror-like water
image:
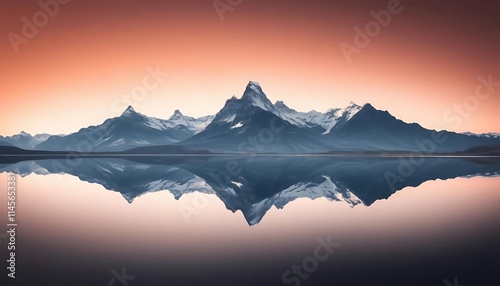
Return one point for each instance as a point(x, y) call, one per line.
point(256, 221)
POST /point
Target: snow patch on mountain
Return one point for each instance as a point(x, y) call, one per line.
point(193, 124)
point(313, 191)
point(118, 142)
point(314, 118)
point(238, 125)
point(196, 184)
point(238, 184)
point(230, 118)
point(486, 135)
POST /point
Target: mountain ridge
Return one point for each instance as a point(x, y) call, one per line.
point(252, 123)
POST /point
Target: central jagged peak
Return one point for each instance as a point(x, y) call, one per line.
point(177, 115)
point(254, 86)
point(177, 112)
point(129, 111)
point(256, 96)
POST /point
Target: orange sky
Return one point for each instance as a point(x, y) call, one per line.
point(76, 68)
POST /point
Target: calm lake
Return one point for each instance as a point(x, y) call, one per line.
point(255, 221)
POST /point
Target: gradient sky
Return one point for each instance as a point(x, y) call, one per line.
point(76, 68)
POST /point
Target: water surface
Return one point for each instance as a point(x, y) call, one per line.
point(245, 221)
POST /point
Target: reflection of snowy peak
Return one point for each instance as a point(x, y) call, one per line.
point(310, 190)
point(26, 168)
point(327, 189)
point(178, 189)
point(258, 185)
point(177, 181)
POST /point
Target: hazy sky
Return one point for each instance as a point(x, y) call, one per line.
point(83, 61)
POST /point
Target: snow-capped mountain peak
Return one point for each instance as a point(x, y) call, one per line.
point(129, 111)
point(254, 84)
point(256, 96)
point(352, 109)
point(300, 119)
point(334, 117)
point(194, 124)
point(177, 113)
point(312, 119)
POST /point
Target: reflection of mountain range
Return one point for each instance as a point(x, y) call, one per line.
point(252, 124)
point(254, 184)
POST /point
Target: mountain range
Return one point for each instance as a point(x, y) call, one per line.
point(24, 140)
point(253, 124)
